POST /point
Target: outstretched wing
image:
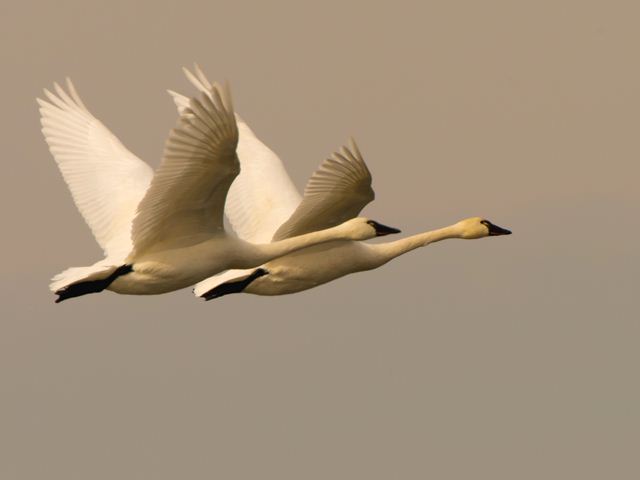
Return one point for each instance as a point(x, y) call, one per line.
point(106, 180)
point(187, 194)
point(337, 191)
point(263, 196)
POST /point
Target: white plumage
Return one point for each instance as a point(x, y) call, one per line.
point(163, 231)
point(337, 191)
point(106, 180)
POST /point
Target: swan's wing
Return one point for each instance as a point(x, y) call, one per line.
point(263, 196)
point(106, 180)
point(187, 194)
point(337, 191)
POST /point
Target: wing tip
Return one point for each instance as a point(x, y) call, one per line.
point(64, 99)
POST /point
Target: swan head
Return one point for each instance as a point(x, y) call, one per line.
point(477, 227)
point(361, 228)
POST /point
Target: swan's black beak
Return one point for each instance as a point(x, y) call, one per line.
point(382, 230)
point(495, 230)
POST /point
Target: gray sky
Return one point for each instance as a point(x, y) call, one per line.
point(503, 358)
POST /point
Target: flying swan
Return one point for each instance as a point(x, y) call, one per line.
point(164, 231)
point(263, 205)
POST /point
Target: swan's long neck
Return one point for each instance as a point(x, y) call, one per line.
point(383, 252)
point(263, 253)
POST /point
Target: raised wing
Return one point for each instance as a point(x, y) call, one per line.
point(337, 191)
point(187, 194)
point(263, 196)
point(106, 180)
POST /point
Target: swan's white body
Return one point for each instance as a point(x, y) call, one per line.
point(320, 264)
point(160, 231)
point(310, 268)
point(274, 210)
point(173, 267)
point(323, 263)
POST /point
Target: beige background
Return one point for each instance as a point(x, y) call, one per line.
point(510, 358)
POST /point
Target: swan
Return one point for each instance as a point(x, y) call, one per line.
point(264, 205)
point(164, 231)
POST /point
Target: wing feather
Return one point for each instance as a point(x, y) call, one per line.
point(106, 180)
point(337, 191)
point(263, 196)
point(181, 101)
point(187, 194)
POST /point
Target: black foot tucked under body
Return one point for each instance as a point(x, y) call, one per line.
point(91, 286)
point(234, 287)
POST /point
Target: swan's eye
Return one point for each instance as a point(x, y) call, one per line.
point(485, 223)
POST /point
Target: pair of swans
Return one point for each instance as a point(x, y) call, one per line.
point(164, 231)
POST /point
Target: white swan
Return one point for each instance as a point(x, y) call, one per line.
point(263, 204)
point(164, 231)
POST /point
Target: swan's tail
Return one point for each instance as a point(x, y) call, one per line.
point(76, 281)
point(231, 281)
